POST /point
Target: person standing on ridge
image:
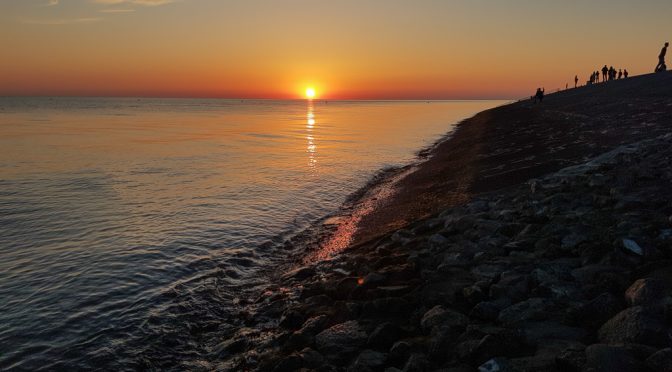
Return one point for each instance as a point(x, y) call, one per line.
point(576, 80)
point(625, 73)
point(620, 73)
point(661, 59)
point(605, 70)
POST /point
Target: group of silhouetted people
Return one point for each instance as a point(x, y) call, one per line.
point(608, 74)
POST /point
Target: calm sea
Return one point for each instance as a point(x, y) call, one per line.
point(131, 228)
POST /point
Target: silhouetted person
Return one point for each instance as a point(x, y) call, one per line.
point(661, 59)
point(539, 96)
point(620, 73)
point(605, 71)
point(576, 80)
point(612, 73)
point(625, 73)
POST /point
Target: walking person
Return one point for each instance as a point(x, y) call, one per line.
point(576, 80)
point(661, 59)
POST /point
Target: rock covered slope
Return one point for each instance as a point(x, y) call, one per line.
point(571, 271)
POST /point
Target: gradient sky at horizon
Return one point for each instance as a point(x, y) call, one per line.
point(390, 49)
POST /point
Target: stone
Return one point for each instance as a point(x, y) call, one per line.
point(438, 316)
point(535, 308)
point(292, 319)
point(289, 364)
point(438, 242)
point(645, 291)
point(598, 310)
point(631, 246)
point(311, 358)
point(660, 361)
point(345, 287)
point(314, 324)
point(606, 358)
point(341, 338)
point(571, 360)
point(487, 310)
point(636, 324)
point(495, 365)
point(300, 274)
point(400, 351)
point(368, 360)
point(537, 332)
point(384, 335)
point(416, 363)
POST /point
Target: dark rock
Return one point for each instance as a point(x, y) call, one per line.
point(341, 338)
point(487, 310)
point(536, 332)
point(232, 346)
point(661, 361)
point(384, 335)
point(314, 324)
point(533, 309)
point(645, 292)
point(438, 242)
point(592, 273)
point(598, 310)
point(606, 358)
point(631, 247)
point(416, 363)
point(345, 287)
point(571, 360)
point(495, 365)
point(301, 273)
point(439, 316)
point(635, 325)
point(386, 306)
point(373, 279)
point(292, 319)
point(311, 358)
point(512, 286)
point(400, 351)
point(368, 360)
point(289, 364)
point(473, 294)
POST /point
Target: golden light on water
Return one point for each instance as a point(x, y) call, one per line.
point(310, 93)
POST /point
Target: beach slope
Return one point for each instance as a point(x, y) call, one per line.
point(538, 237)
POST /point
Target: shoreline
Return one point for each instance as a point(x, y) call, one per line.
point(403, 298)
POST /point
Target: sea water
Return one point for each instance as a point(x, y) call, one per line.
point(130, 228)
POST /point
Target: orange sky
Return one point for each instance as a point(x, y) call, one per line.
point(422, 49)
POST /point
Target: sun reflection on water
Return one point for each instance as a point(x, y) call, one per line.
point(311, 148)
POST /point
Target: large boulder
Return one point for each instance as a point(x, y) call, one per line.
point(646, 291)
point(606, 358)
point(661, 361)
point(438, 316)
point(636, 324)
point(341, 339)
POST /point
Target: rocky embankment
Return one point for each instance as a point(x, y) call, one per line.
point(569, 271)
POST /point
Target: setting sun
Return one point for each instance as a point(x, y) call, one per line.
point(310, 93)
